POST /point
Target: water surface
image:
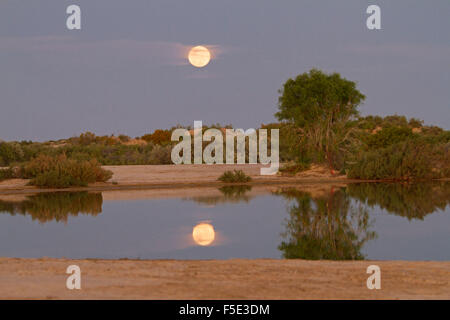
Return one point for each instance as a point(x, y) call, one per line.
point(360, 221)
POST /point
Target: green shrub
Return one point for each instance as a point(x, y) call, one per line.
point(6, 174)
point(160, 155)
point(10, 152)
point(60, 172)
point(407, 160)
point(234, 176)
point(388, 136)
point(55, 179)
point(294, 168)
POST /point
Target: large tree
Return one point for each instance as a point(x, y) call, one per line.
point(320, 105)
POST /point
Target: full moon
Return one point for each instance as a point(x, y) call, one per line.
point(203, 234)
point(199, 56)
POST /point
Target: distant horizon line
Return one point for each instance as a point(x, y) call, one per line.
point(74, 135)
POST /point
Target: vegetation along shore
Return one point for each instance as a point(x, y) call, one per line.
point(319, 125)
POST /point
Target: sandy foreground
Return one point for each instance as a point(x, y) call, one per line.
point(222, 279)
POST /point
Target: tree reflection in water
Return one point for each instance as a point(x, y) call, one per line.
point(336, 226)
point(410, 200)
point(328, 227)
point(58, 206)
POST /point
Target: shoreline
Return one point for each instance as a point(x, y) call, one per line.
point(45, 278)
point(138, 187)
point(141, 177)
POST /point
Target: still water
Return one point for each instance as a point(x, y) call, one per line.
point(359, 221)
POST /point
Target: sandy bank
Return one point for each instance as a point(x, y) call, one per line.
point(182, 176)
point(222, 279)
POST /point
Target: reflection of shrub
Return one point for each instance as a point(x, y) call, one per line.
point(411, 200)
point(230, 194)
point(60, 172)
point(234, 176)
point(402, 161)
point(46, 207)
point(235, 191)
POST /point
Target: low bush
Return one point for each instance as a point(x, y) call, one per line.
point(60, 172)
point(160, 155)
point(159, 137)
point(407, 160)
point(234, 176)
point(388, 136)
point(6, 174)
point(294, 168)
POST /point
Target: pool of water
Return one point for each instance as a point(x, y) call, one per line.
point(359, 221)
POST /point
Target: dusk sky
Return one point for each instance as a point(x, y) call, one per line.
point(126, 71)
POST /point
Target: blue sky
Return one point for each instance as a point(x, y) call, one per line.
point(125, 71)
